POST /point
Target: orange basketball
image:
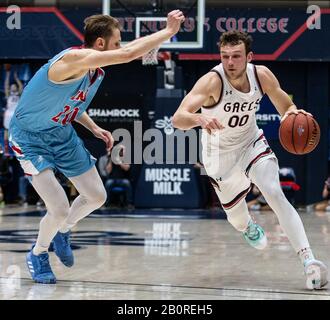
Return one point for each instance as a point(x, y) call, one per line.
point(299, 133)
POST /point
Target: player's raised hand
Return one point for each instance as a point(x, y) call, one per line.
point(174, 20)
point(209, 123)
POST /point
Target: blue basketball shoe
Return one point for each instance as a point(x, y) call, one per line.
point(255, 236)
point(39, 268)
point(62, 248)
point(317, 273)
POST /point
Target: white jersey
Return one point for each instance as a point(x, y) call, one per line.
point(235, 110)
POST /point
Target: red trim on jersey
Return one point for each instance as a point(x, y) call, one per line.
point(257, 78)
point(261, 137)
point(259, 156)
point(214, 183)
point(17, 150)
point(237, 199)
point(221, 93)
point(98, 72)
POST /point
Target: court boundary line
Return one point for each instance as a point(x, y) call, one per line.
point(315, 293)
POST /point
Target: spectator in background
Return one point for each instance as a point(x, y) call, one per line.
point(117, 173)
point(288, 183)
point(5, 175)
point(102, 166)
point(325, 204)
point(23, 183)
point(12, 95)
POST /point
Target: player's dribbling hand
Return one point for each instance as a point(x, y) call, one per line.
point(174, 20)
point(105, 136)
point(209, 123)
point(296, 111)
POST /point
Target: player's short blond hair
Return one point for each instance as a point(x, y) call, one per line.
point(236, 37)
point(99, 25)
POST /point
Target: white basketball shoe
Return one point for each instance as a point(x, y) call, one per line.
point(255, 236)
point(317, 274)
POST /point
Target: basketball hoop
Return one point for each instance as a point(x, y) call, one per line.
point(151, 57)
point(154, 55)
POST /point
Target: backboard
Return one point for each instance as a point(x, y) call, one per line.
point(142, 17)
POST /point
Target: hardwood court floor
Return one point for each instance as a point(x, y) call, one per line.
point(153, 255)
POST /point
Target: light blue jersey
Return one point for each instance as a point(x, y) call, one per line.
point(41, 133)
point(45, 104)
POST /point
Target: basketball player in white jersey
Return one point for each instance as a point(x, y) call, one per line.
point(235, 152)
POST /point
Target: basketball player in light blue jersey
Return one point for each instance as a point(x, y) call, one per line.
point(43, 138)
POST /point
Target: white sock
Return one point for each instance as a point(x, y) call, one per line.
point(305, 254)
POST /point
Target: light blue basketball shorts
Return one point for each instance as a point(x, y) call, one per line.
point(59, 148)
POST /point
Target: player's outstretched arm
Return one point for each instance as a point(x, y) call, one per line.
point(205, 92)
point(138, 48)
point(77, 61)
point(276, 94)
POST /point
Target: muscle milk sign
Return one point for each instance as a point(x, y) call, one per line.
point(167, 181)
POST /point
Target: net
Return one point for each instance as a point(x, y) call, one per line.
point(151, 57)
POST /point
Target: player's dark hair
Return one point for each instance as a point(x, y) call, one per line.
point(99, 25)
point(234, 38)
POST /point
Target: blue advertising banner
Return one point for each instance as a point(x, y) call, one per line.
point(167, 186)
point(41, 33)
point(162, 183)
point(268, 119)
point(279, 34)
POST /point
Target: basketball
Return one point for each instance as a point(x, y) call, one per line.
point(299, 133)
